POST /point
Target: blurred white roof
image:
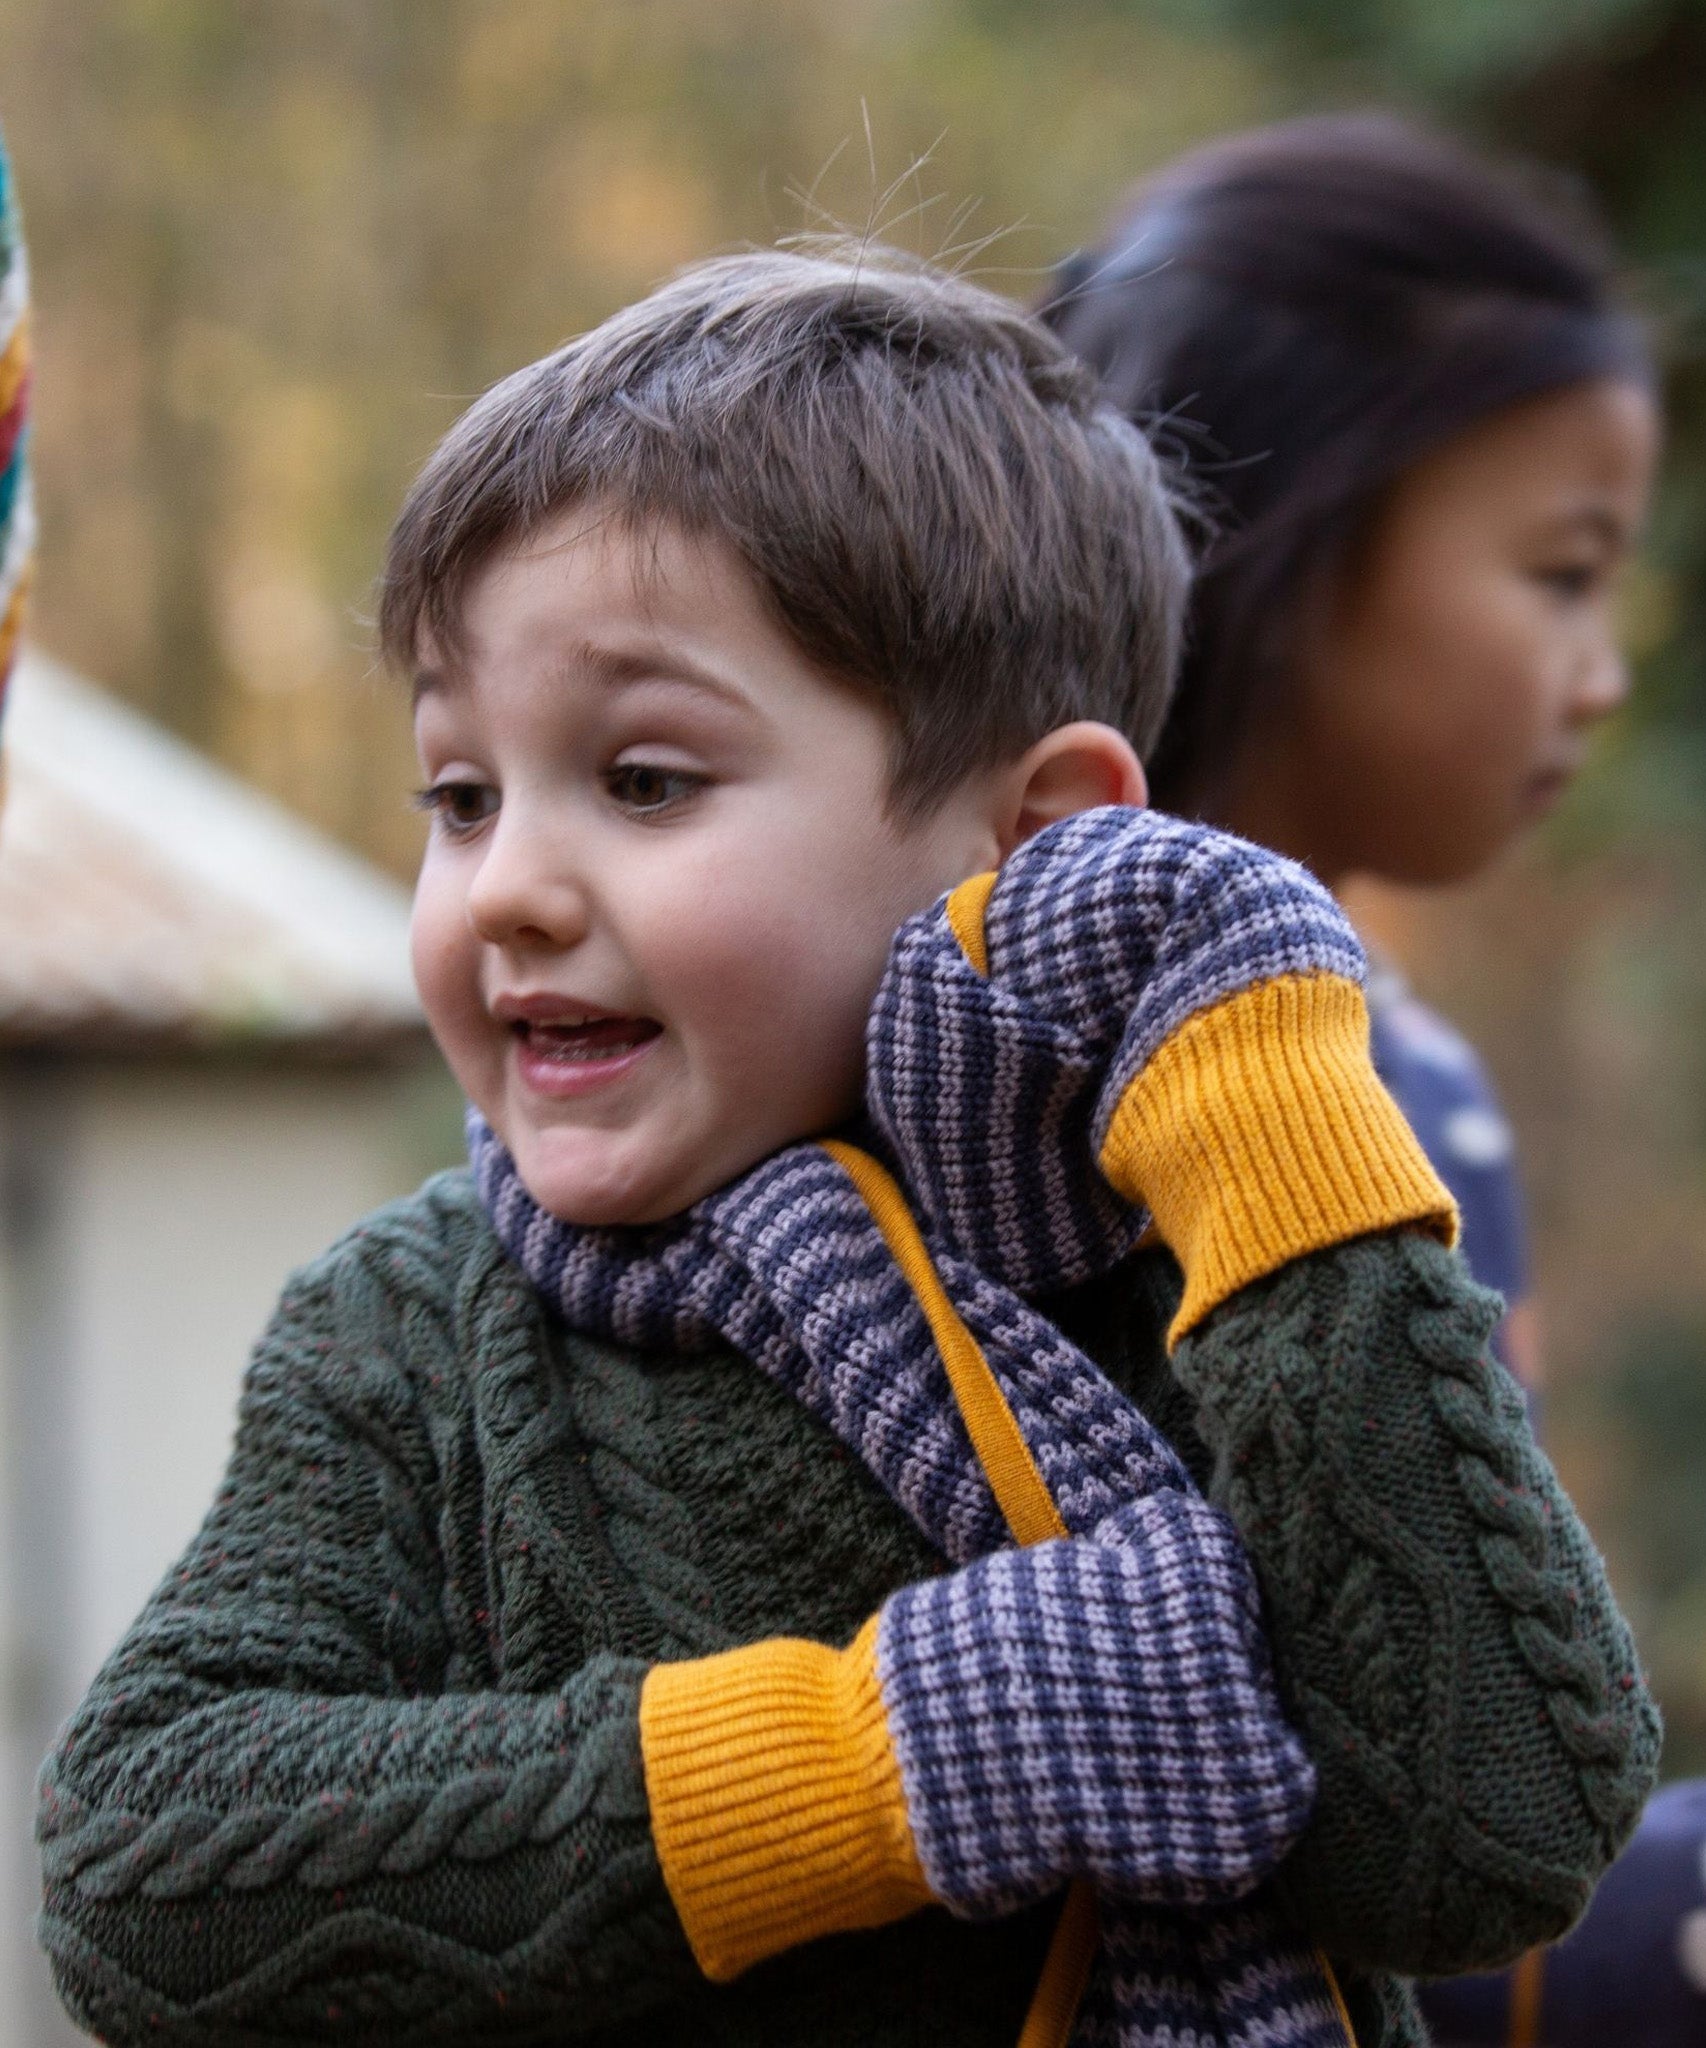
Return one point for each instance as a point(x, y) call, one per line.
point(147, 895)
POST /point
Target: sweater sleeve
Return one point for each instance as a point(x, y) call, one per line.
point(294, 1802)
point(1444, 1635)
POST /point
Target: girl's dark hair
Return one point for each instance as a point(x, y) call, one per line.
point(1308, 309)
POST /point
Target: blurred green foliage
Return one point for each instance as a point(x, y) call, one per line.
point(278, 247)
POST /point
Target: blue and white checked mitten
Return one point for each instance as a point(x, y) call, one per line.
point(1094, 1707)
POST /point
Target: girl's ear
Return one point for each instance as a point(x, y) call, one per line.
point(1074, 768)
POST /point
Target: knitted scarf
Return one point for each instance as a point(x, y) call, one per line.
point(990, 1113)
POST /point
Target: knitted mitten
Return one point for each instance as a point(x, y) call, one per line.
point(1096, 1706)
point(1166, 1003)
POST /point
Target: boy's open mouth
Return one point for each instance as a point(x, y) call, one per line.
point(566, 1049)
point(597, 1038)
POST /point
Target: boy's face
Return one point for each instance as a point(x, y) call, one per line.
point(661, 882)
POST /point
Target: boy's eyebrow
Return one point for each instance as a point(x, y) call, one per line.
point(617, 667)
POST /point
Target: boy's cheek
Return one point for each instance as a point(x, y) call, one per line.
point(427, 963)
point(446, 971)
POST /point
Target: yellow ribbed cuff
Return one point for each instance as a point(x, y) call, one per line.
point(1260, 1131)
point(776, 1801)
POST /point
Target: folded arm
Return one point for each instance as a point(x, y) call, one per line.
point(1093, 1707)
point(301, 1785)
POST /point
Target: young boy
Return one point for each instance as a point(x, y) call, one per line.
point(496, 1699)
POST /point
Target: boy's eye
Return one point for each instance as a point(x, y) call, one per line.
point(457, 807)
point(645, 786)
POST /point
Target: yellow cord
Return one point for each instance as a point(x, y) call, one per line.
point(1338, 1998)
point(1528, 1984)
point(1019, 1488)
point(1066, 1971)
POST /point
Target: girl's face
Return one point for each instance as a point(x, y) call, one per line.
point(1452, 675)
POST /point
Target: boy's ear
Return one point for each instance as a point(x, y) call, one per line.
point(1074, 768)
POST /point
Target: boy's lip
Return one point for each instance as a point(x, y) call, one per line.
point(547, 1006)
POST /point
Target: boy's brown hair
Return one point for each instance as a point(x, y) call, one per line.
point(925, 486)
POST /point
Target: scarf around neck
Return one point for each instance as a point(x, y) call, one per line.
point(985, 1104)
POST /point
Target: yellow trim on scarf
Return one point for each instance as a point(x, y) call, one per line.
point(1340, 2009)
point(777, 1806)
point(1002, 1451)
point(1066, 1970)
point(776, 1800)
point(966, 908)
point(1260, 1131)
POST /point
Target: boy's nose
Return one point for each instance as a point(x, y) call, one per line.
point(526, 893)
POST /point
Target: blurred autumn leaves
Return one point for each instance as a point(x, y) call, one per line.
point(278, 246)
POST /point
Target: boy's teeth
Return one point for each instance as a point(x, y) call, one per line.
point(596, 1040)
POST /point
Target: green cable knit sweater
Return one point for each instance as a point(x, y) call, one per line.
point(367, 1766)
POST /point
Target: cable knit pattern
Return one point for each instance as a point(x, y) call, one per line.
point(305, 1741)
point(339, 1838)
point(1337, 1466)
point(367, 1622)
point(787, 1267)
point(370, 1763)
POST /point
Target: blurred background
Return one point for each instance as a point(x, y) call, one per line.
point(276, 247)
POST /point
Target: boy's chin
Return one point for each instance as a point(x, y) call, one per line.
point(604, 1188)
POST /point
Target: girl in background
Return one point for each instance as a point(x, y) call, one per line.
point(1424, 427)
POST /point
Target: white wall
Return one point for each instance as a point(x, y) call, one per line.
point(170, 1201)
